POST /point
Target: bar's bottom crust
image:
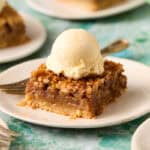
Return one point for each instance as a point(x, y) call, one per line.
point(14, 40)
point(67, 110)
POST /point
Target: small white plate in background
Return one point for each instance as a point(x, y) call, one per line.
point(56, 9)
point(36, 31)
point(141, 137)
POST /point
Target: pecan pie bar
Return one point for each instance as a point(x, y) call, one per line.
point(86, 97)
point(92, 5)
point(12, 28)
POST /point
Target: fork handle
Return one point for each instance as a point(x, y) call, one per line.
point(115, 47)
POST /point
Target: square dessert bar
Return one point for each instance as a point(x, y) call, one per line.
point(12, 28)
point(86, 97)
point(92, 5)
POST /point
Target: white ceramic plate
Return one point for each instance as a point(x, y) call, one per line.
point(133, 104)
point(35, 31)
point(141, 137)
point(55, 9)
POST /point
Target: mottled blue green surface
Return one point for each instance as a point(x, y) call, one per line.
point(134, 26)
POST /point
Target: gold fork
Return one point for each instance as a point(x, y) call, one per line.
point(19, 87)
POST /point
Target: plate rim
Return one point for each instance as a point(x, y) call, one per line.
point(76, 126)
point(26, 16)
point(113, 11)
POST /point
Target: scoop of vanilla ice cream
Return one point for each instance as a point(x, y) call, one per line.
point(2, 4)
point(76, 54)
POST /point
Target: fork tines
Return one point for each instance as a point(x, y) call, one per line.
point(6, 136)
point(14, 88)
point(14, 91)
point(8, 131)
point(4, 144)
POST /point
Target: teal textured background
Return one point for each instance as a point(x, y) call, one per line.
point(133, 26)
